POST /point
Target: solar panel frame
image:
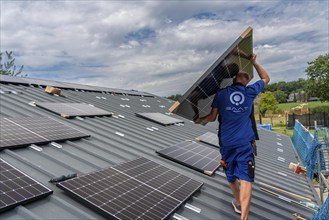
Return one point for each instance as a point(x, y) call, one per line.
point(198, 98)
point(69, 110)
point(23, 131)
point(199, 155)
point(159, 118)
point(209, 138)
point(17, 188)
point(132, 190)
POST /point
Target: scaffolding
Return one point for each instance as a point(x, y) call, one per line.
point(314, 154)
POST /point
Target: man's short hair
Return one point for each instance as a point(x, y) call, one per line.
point(242, 74)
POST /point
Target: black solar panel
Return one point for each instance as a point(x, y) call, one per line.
point(209, 138)
point(193, 155)
point(137, 189)
point(16, 188)
point(198, 99)
point(20, 132)
point(68, 110)
point(159, 118)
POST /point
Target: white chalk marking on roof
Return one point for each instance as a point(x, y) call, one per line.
point(35, 147)
point(150, 129)
point(32, 103)
point(279, 144)
point(193, 208)
point(280, 150)
point(79, 118)
point(281, 159)
point(154, 128)
point(179, 217)
point(284, 198)
point(120, 134)
point(282, 174)
point(121, 116)
point(91, 105)
point(56, 145)
point(220, 173)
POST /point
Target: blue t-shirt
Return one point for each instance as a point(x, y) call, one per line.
point(234, 104)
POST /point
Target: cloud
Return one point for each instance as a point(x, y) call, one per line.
point(160, 47)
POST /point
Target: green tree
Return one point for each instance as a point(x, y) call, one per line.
point(318, 77)
point(174, 97)
point(267, 102)
point(280, 96)
point(9, 67)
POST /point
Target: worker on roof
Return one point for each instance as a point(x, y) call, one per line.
point(233, 105)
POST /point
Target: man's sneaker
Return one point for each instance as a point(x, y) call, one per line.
point(237, 208)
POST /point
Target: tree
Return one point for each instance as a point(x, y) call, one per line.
point(9, 67)
point(174, 97)
point(280, 96)
point(287, 87)
point(318, 77)
point(267, 102)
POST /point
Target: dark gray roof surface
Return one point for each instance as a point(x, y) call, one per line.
point(123, 137)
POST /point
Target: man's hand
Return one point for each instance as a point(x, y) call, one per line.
point(200, 121)
point(253, 58)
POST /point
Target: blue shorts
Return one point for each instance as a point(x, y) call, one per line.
point(239, 162)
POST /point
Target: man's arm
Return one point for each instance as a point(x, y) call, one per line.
point(260, 70)
point(208, 118)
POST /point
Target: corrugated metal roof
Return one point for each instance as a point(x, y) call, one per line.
point(124, 137)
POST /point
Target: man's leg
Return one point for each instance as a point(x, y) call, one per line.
point(245, 198)
point(236, 191)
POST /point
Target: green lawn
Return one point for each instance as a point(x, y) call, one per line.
point(288, 106)
point(279, 120)
point(282, 107)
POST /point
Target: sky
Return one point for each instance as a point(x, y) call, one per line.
point(160, 47)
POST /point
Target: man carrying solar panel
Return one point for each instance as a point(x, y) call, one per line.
point(233, 105)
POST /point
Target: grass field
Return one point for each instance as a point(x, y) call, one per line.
point(278, 119)
point(289, 106)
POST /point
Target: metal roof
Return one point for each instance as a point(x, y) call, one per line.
point(123, 137)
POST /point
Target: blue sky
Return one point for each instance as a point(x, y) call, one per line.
point(161, 47)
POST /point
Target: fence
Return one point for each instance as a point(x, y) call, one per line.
point(321, 118)
point(314, 154)
point(302, 139)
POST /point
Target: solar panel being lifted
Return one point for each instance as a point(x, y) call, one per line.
point(137, 189)
point(209, 138)
point(20, 132)
point(159, 118)
point(193, 155)
point(68, 110)
point(16, 188)
point(196, 102)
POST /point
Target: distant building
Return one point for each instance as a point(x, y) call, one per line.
point(301, 96)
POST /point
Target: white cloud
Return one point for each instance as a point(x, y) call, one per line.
point(160, 47)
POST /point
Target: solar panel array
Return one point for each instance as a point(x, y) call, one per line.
point(193, 155)
point(160, 118)
point(66, 85)
point(198, 99)
point(20, 132)
point(68, 110)
point(16, 188)
point(137, 189)
point(209, 138)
